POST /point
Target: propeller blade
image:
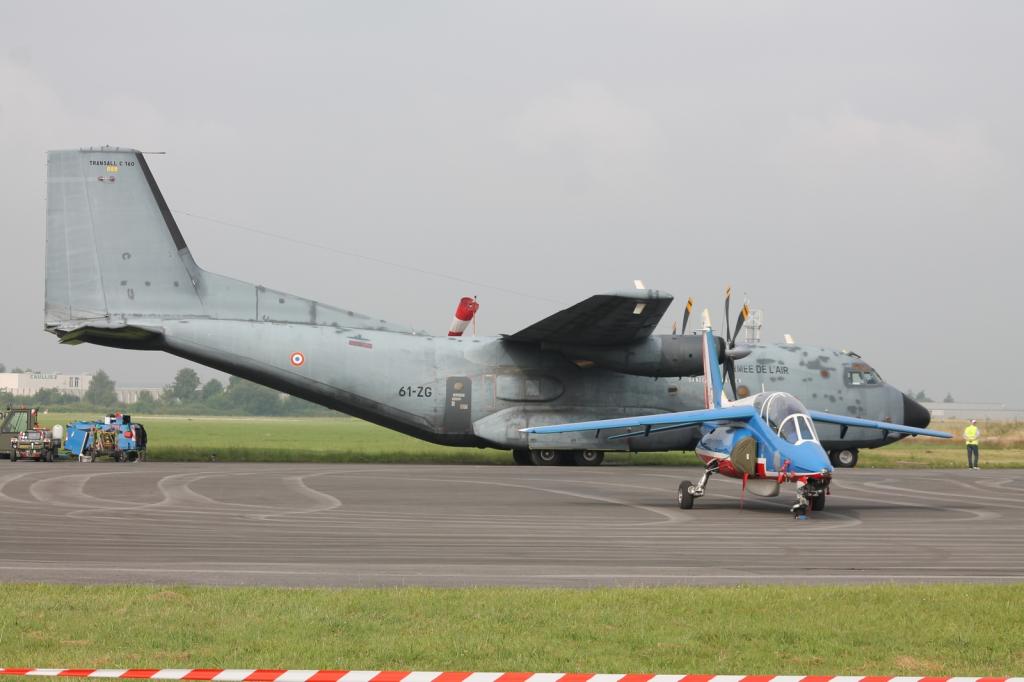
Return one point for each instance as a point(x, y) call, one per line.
point(730, 371)
point(744, 314)
point(725, 320)
point(686, 314)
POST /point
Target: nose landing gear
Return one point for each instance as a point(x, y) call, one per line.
point(689, 492)
point(810, 495)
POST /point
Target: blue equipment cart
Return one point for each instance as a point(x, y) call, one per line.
point(117, 437)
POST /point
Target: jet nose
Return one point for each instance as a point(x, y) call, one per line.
point(915, 414)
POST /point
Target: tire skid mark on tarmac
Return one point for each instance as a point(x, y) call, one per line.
point(665, 517)
point(298, 483)
point(179, 497)
point(7, 479)
point(468, 525)
point(989, 500)
point(69, 491)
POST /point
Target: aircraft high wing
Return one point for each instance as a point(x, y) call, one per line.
point(615, 331)
point(614, 319)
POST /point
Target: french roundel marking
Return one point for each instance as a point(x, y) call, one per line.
point(298, 359)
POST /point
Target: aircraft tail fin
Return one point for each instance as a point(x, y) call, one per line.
point(713, 392)
point(112, 246)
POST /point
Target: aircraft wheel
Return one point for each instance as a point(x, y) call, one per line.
point(522, 457)
point(845, 459)
point(685, 497)
point(588, 458)
point(547, 458)
point(818, 503)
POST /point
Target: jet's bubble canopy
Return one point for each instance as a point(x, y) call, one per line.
point(775, 407)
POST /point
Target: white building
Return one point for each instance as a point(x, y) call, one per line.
point(28, 383)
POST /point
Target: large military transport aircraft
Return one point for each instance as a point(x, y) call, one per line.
point(118, 273)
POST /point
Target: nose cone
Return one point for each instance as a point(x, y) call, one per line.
point(915, 414)
point(810, 458)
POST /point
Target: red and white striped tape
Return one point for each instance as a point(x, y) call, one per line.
point(252, 675)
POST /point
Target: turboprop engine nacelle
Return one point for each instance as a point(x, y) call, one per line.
point(663, 355)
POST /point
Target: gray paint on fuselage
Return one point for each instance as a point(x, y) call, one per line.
point(366, 379)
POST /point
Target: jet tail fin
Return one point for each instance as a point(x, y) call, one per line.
point(112, 246)
point(713, 392)
point(117, 265)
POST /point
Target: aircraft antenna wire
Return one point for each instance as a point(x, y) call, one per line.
point(372, 259)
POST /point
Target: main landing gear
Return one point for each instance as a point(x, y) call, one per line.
point(689, 492)
point(582, 458)
point(846, 459)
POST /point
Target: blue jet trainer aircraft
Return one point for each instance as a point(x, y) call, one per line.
point(764, 439)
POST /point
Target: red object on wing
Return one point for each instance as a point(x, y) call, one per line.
point(464, 314)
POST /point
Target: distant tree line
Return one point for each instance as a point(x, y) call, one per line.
point(923, 397)
point(185, 395)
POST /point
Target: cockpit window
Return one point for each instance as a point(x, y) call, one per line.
point(807, 431)
point(797, 428)
point(775, 407)
point(860, 374)
point(789, 432)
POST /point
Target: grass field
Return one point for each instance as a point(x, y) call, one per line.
point(940, 630)
point(342, 439)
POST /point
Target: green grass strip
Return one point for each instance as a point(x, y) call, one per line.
point(920, 630)
point(343, 439)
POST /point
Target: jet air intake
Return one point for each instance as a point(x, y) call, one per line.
point(661, 355)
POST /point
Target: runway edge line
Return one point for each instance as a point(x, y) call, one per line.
point(256, 675)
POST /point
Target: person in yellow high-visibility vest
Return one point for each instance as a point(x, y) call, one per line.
point(972, 435)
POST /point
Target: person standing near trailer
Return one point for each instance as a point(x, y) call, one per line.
point(972, 436)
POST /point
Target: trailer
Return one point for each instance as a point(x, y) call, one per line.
point(116, 436)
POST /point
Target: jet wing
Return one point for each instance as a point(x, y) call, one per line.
point(654, 422)
point(603, 320)
point(829, 418)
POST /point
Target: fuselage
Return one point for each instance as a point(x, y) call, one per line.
point(480, 391)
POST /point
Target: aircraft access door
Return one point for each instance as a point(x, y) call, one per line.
point(458, 401)
point(744, 456)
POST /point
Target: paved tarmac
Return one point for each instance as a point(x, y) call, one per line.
point(362, 525)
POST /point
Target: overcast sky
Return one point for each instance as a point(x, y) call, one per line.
point(856, 168)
